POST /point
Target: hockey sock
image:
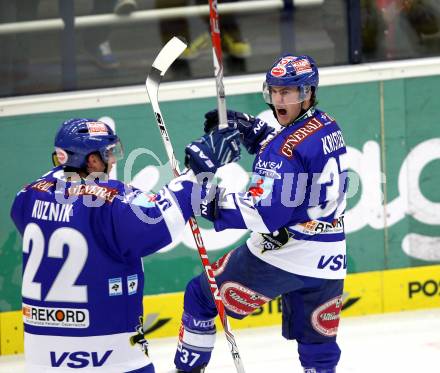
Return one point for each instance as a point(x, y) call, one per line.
point(196, 342)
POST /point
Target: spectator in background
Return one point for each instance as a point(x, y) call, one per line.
point(384, 17)
point(96, 39)
point(391, 29)
point(14, 49)
point(233, 42)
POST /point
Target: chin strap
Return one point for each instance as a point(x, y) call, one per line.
point(305, 114)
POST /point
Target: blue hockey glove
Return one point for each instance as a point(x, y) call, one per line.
point(252, 130)
point(213, 150)
point(207, 205)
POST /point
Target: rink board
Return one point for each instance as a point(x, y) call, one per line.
point(364, 293)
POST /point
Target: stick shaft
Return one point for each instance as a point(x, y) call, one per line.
point(217, 55)
point(202, 251)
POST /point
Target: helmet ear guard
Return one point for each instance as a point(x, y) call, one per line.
point(55, 160)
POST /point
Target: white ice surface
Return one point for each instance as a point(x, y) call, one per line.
point(406, 342)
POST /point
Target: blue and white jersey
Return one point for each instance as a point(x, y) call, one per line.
point(296, 201)
point(83, 277)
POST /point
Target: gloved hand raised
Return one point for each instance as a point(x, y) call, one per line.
point(213, 150)
point(252, 130)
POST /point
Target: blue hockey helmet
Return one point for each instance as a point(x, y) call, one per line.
point(77, 138)
point(292, 71)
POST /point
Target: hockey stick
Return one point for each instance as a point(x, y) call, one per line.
point(169, 53)
point(217, 56)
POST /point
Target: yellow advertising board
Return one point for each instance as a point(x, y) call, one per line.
point(364, 294)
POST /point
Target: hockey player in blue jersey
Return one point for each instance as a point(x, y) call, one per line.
point(294, 208)
point(83, 239)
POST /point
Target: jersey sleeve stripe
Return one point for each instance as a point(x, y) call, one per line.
point(250, 215)
point(173, 217)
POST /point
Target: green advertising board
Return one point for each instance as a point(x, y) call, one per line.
point(393, 134)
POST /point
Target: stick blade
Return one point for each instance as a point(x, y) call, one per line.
point(169, 53)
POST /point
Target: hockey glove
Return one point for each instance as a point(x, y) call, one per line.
point(253, 131)
point(139, 338)
point(213, 151)
point(207, 205)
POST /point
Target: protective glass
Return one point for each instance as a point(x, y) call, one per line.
point(114, 151)
point(278, 95)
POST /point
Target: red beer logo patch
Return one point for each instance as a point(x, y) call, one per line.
point(278, 71)
point(325, 319)
point(97, 128)
point(240, 299)
point(285, 60)
point(220, 265)
point(61, 155)
point(302, 66)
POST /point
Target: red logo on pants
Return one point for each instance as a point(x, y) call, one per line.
point(240, 299)
point(220, 265)
point(325, 319)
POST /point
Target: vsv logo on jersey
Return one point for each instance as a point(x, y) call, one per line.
point(79, 359)
point(333, 262)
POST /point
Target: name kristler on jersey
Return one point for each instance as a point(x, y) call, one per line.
point(51, 211)
point(332, 142)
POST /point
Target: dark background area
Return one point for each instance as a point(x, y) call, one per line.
point(51, 61)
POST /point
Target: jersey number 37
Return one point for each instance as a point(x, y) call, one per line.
point(334, 175)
